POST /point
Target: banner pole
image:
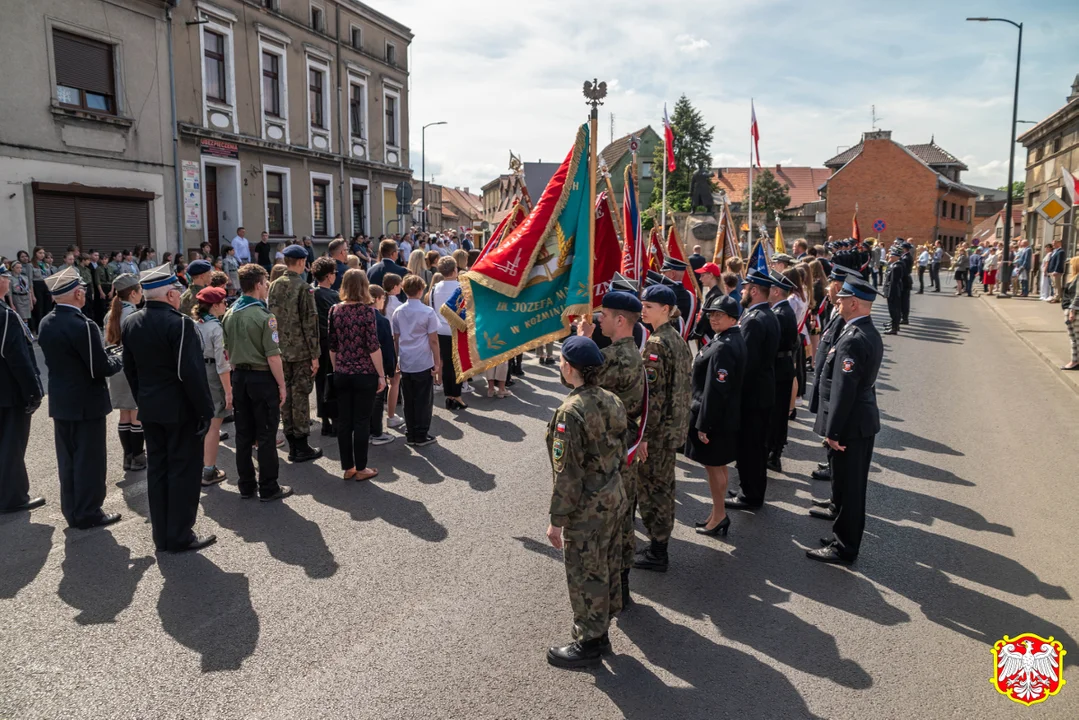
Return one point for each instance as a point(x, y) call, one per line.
point(593, 168)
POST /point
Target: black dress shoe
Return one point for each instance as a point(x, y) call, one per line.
point(825, 542)
point(1073, 367)
point(578, 654)
point(228, 418)
point(720, 528)
point(823, 466)
point(821, 474)
point(822, 503)
point(199, 543)
point(825, 513)
point(106, 519)
point(773, 463)
point(740, 503)
point(828, 555)
point(282, 492)
point(28, 505)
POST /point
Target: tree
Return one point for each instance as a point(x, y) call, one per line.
point(692, 145)
point(1019, 188)
point(769, 196)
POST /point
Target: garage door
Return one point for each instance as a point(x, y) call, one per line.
point(90, 221)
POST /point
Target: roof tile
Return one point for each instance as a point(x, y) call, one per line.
point(802, 182)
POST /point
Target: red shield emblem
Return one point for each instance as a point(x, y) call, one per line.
point(721, 375)
point(1028, 668)
point(848, 365)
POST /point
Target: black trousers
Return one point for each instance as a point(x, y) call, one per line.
point(905, 299)
point(81, 459)
point(895, 311)
point(377, 412)
point(257, 409)
point(921, 279)
point(320, 382)
point(14, 435)
point(850, 475)
point(173, 482)
point(837, 501)
point(419, 392)
point(355, 401)
point(752, 454)
point(42, 304)
point(450, 385)
point(934, 276)
point(779, 415)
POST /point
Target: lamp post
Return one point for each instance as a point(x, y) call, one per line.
point(1006, 261)
point(423, 173)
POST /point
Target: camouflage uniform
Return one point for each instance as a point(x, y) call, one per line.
point(586, 443)
point(622, 373)
point(188, 299)
point(667, 363)
point(292, 301)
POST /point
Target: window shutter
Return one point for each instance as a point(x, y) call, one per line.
point(54, 223)
point(83, 64)
point(107, 224)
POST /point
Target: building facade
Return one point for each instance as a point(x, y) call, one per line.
point(1051, 145)
point(617, 156)
point(85, 139)
point(461, 210)
point(293, 119)
point(909, 191)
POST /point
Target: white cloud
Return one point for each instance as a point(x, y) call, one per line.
point(690, 44)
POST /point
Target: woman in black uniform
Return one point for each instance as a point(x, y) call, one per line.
point(715, 409)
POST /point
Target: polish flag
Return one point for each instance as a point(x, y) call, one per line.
point(755, 132)
point(1071, 186)
point(668, 137)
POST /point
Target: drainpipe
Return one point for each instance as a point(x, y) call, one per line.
point(340, 134)
point(177, 179)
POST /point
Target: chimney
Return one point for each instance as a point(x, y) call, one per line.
point(466, 190)
point(877, 135)
point(778, 167)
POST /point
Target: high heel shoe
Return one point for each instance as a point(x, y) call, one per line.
point(721, 528)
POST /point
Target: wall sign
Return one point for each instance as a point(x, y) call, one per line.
point(218, 148)
point(192, 195)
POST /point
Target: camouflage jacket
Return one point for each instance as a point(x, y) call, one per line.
point(292, 301)
point(667, 365)
point(188, 299)
point(587, 446)
point(623, 374)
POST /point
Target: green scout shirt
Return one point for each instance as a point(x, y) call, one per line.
point(250, 333)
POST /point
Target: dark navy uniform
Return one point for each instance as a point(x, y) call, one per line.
point(164, 366)
point(784, 375)
point(20, 396)
point(716, 405)
point(702, 329)
point(908, 281)
point(760, 330)
point(893, 291)
point(78, 404)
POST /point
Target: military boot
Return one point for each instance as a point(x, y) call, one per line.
point(654, 557)
point(291, 447)
point(302, 452)
point(627, 600)
point(578, 654)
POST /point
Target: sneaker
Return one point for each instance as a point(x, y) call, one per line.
point(395, 421)
point(280, 438)
point(467, 388)
point(382, 439)
point(423, 442)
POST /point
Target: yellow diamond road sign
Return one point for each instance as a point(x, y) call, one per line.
point(1053, 209)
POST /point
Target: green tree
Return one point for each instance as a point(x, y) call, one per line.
point(1019, 188)
point(692, 150)
point(769, 195)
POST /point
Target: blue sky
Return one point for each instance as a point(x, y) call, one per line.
point(508, 75)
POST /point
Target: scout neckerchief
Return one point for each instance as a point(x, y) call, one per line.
point(245, 302)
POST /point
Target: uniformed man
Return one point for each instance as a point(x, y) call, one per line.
point(20, 396)
point(622, 373)
point(667, 363)
point(893, 289)
point(675, 270)
point(258, 384)
point(710, 275)
point(760, 330)
point(620, 283)
point(848, 418)
point(779, 416)
point(587, 446)
point(199, 275)
point(292, 302)
point(163, 365)
point(908, 278)
point(78, 400)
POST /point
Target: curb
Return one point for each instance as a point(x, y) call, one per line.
point(1071, 384)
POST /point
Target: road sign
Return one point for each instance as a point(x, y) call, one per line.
point(879, 225)
point(1052, 209)
point(634, 143)
point(404, 193)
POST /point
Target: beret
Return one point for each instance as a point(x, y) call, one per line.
point(199, 267)
point(654, 278)
point(783, 258)
point(724, 304)
point(659, 294)
point(856, 287)
point(125, 281)
point(581, 352)
point(211, 295)
point(756, 277)
point(618, 300)
point(295, 252)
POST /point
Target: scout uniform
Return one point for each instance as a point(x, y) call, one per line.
point(163, 366)
point(188, 300)
point(292, 301)
point(667, 362)
point(131, 434)
point(586, 443)
point(250, 339)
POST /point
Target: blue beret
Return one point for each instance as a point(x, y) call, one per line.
point(659, 294)
point(581, 352)
point(856, 287)
point(673, 264)
point(756, 277)
point(617, 300)
point(724, 304)
point(295, 252)
point(199, 267)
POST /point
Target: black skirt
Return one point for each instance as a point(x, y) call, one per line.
point(722, 449)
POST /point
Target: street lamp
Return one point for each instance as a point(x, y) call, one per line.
point(1006, 261)
point(423, 173)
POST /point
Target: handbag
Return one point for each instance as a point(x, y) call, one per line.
point(329, 396)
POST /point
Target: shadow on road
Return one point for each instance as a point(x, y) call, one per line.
point(365, 501)
point(26, 548)
point(100, 576)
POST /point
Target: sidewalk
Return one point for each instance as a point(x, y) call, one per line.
point(1041, 326)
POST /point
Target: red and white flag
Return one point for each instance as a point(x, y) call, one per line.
point(1071, 186)
point(668, 139)
point(755, 132)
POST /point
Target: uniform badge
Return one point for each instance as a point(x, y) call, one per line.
point(274, 336)
point(560, 427)
point(1028, 668)
point(558, 449)
point(721, 375)
point(272, 323)
point(848, 365)
point(650, 374)
point(653, 357)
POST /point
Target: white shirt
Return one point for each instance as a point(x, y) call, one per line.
point(412, 323)
point(242, 248)
point(392, 303)
point(406, 248)
point(923, 259)
point(440, 293)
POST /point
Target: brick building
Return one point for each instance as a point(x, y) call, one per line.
point(913, 189)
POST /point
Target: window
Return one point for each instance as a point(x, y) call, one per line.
point(214, 66)
point(356, 113)
point(275, 203)
point(391, 120)
point(391, 53)
point(318, 19)
point(944, 208)
point(356, 37)
point(315, 84)
point(646, 169)
point(270, 5)
point(1000, 232)
point(84, 73)
point(320, 190)
point(1056, 144)
point(953, 211)
point(1038, 153)
point(359, 209)
point(271, 84)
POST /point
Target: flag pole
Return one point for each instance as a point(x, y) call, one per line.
point(663, 211)
point(595, 92)
point(749, 214)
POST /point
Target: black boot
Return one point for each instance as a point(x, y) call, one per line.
point(302, 451)
point(654, 557)
point(627, 599)
point(124, 431)
point(328, 429)
point(138, 454)
point(774, 463)
point(291, 447)
point(578, 654)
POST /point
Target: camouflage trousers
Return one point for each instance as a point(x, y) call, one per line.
point(655, 493)
point(629, 531)
point(594, 575)
point(296, 412)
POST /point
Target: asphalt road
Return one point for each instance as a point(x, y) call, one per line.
point(431, 592)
